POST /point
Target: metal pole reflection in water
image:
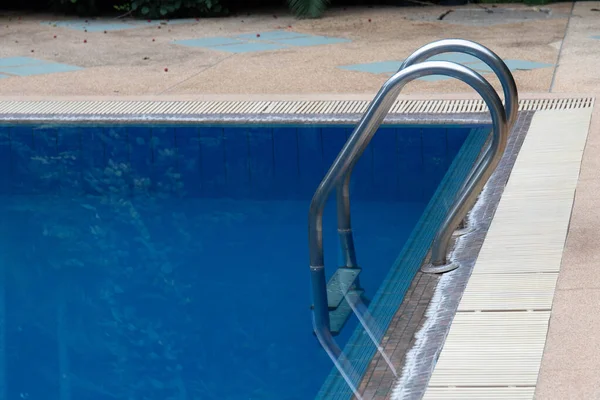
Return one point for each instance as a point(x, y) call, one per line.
point(340, 361)
point(370, 326)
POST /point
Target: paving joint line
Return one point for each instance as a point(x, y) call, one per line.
point(562, 43)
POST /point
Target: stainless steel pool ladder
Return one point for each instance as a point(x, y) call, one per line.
point(442, 240)
point(339, 174)
point(441, 243)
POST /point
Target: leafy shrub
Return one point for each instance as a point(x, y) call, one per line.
point(143, 8)
point(168, 8)
point(308, 8)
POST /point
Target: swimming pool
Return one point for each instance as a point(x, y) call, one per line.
point(170, 261)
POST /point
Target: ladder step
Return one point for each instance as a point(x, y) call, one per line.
point(342, 280)
point(339, 316)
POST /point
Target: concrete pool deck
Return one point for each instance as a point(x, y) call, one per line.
point(113, 66)
point(131, 62)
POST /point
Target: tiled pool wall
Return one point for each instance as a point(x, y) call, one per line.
point(402, 163)
point(389, 296)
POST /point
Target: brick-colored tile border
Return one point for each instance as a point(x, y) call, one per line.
point(400, 336)
point(379, 380)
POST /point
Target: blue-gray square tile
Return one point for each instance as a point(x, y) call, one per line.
point(480, 67)
point(18, 61)
point(272, 35)
point(515, 65)
point(387, 68)
point(248, 47)
point(595, 37)
point(430, 78)
point(434, 78)
point(92, 26)
point(208, 42)
point(47, 68)
point(312, 41)
point(455, 57)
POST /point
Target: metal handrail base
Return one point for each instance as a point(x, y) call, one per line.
point(439, 269)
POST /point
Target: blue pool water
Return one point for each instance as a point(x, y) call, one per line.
point(170, 262)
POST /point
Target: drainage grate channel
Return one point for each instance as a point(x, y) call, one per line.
point(495, 343)
point(270, 107)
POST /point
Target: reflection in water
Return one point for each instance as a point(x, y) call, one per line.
point(143, 298)
point(134, 291)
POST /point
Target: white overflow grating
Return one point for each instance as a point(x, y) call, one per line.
point(496, 342)
point(506, 352)
point(509, 292)
point(491, 393)
point(269, 107)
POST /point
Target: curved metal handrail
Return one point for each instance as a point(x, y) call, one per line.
point(441, 243)
point(509, 87)
point(341, 169)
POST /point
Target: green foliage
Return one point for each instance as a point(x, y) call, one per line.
point(144, 8)
point(308, 8)
point(153, 9)
point(169, 8)
point(123, 7)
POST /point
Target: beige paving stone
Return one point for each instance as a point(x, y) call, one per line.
point(579, 268)
point(571, 358)
point(116, 66)
point(569, 384)
point(577, 70)
point(573, 335)
point(590, 164)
